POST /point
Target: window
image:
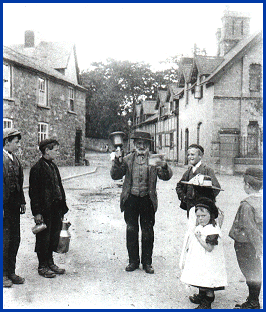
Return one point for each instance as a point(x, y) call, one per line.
point(167, 139)
point(198, 92)
point(7, 123)
point(160, 141)
point(172, 106)
point(255, 77)
point(161, 111)
point(71, 100)
point(42, 89)
point(172, 140)
point(42, 131)
point(233, 27)
point(6, 81)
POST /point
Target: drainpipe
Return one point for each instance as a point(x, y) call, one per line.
point(241, 97)
point(177, 132)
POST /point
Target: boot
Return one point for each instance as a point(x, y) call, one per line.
point(249, 304)
point(197, 298)
point(206, 303)
point(53, 267)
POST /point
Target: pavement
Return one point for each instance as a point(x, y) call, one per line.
point(96, 260)
point(67, 173)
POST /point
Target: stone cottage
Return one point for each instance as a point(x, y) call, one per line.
point(42, 97)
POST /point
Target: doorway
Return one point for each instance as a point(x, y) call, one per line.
point(78, 147)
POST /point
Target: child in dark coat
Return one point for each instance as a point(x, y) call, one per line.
point(247, 231)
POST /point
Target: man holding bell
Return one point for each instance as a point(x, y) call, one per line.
point(138, 199)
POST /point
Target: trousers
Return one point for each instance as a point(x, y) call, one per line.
point(47, 240)
point(250, 266)
point(139, 210)
point(11, 239)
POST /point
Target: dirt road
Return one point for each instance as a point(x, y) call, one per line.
point(95, 263)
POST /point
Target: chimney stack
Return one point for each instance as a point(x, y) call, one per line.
point(29, 39)
point(218, 40)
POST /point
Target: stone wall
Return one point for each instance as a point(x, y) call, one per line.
point(25, 112)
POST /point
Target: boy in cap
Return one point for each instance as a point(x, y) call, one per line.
point(139, 198)
point(185, 192)
point(13, 205)
point(48, 205)
point(247, 232)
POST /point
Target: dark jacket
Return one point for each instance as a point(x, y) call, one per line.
point(41, 188)
point(6, 181)
point(185, 192)
point(248, 223)
point(125, 168)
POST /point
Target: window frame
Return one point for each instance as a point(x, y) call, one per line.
point(7, 120)
point(171, 138)
point(42, 135)
point(7, 85)
point(42, 92)
point(167, 139)
point(255, 77)
point(71, 97)
point(160, 141)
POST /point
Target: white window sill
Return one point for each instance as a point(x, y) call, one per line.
point(9, 99)
point(42, 106)
point(71, 112)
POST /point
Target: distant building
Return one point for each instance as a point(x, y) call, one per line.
point(43, 99)
point(217, 102)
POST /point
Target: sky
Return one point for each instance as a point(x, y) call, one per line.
point(137, 32)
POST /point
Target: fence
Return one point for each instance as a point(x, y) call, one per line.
point(251, 147)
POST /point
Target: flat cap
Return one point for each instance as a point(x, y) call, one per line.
point(12, 132)
point(197, 146)
point(256, 173)
point(45, 142)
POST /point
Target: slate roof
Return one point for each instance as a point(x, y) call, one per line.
point(207, 64)
point(173, 87)
point(151, 119)
point(35, 65)
point(149, 107)
point(54, 54)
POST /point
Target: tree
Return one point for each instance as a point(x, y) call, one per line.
point(114, 88)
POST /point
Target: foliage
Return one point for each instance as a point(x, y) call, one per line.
point(114, 88)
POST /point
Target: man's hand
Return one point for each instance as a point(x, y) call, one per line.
point(119, 154)
point(22, 209)
point(162, 164)
point(38, 219)
point(198, 234)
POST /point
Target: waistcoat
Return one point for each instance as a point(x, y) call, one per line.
point(140, 176)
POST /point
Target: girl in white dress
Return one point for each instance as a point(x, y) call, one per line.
point(204, 265)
